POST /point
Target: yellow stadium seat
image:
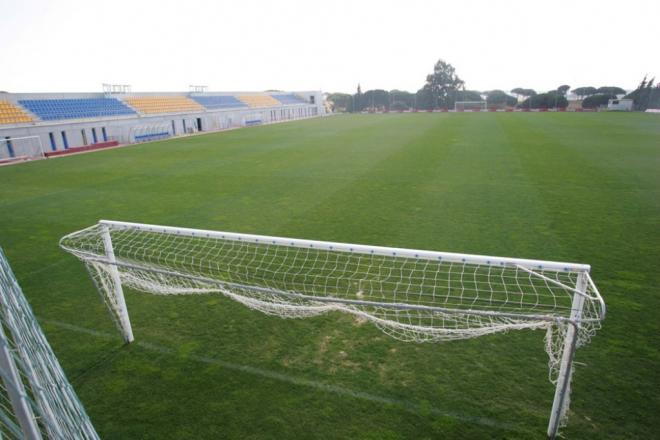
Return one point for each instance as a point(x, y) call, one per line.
point(259, 100)
point(10, 113)
point(163, 104)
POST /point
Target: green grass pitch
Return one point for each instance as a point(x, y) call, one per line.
point(575, 187)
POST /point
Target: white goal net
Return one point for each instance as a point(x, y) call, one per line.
point(412, 295)
point(36, 399)
point(461, 106)
point(21, 148)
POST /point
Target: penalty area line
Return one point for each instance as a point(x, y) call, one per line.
point(407, 405)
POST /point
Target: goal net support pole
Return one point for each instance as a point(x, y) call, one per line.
point(562, 390)
point(411, 295)
point(117, 292)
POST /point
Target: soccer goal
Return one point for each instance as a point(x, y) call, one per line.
point(21, 148)
point(411, 295)
point(36, 400)
point(463, 106)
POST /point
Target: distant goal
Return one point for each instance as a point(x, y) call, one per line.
point(462, 106)
point(411, 295)
point(21, 148)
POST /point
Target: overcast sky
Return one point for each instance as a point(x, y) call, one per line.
point(245, 45)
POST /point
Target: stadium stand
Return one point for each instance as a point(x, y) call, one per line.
point(35, 125)
point(219, 102)
point(13, 114)
point(54, 109)
point(260, 100)
point(289, 99)
point(163, 104)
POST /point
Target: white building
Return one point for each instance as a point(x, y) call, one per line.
point(625, 105)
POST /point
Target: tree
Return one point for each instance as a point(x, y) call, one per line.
point(545, 100)
point(646, 95)
point(468, 95)
point(443, 83)
point(500, 98)
point(597, 100)
point(340, 102)
point(527, 93)
point(399, 106)
point(611, 91)
point(582, 92)
point(560, 92)
point(424, 98)
point(518, 92)
point(357, 100)
point(376, 99)
point(563, 89)
point(403, 97)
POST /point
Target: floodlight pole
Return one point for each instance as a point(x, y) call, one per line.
point(563, 386)
point(119, 301)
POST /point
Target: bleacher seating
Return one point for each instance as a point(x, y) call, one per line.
point(10, 113)
point(152, 136)
point(219, 102)
point(54, 109)
point(289, 98)
point(251, 122)
point(163, 104)
point(260, 100)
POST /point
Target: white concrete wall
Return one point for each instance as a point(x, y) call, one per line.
point(620, 104)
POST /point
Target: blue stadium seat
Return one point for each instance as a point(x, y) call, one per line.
point(218, 102)
point(54, 109)
point(289, 98)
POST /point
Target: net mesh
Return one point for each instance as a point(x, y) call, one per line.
point(48, 396)
point(470, 105)
point(421, 297)
point(21, 148)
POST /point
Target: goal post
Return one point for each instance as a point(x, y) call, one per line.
point(411, 295)
point(461, 106)
point(21, 148)
point(562, 390)
point(119, 303)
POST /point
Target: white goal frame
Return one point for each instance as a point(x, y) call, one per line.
point(483, 107)
point(23, 148)
point(587, 308)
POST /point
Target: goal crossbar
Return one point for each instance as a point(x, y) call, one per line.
point(351, 248)
point(411, 295)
